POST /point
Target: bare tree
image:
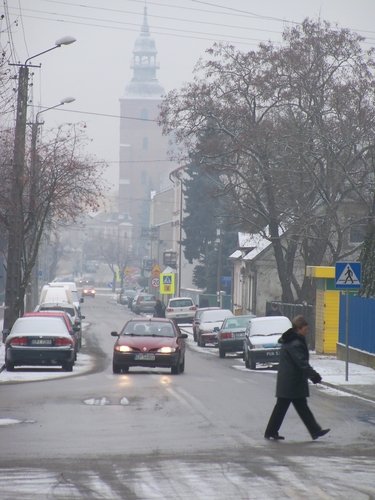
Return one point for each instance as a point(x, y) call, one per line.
point(289, 129)
point(64, 184)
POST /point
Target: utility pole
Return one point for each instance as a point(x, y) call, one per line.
point(13, 293)
point(16, 229)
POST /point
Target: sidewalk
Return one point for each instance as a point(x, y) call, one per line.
point(361, 379)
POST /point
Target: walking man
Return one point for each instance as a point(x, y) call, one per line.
point(292, 381)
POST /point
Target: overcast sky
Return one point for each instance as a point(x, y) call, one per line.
point(96, 68)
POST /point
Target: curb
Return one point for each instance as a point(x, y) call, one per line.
point(350, 391)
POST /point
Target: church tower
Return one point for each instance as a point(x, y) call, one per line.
point(143, 148)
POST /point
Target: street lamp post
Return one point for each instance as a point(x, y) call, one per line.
point(32, 297)
point(16, 221)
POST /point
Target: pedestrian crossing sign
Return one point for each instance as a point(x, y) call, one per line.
point(348, 275)
point(167, 283)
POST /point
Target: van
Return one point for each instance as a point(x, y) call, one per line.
point(55, 294)
point(261, 340)
point(70, 285)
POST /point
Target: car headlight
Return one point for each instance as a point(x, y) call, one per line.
point(123, 348)
point(167, 350)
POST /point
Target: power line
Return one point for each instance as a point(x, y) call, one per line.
point(169, 18)
point(189, 33)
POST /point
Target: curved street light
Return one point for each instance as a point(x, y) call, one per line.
point(32, 297)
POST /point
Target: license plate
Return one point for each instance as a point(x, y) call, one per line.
point(271, 353)
point(41, 342)
point(239, 335)
point(145, 357)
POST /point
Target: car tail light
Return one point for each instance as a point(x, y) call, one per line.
point(193, 308)
point(169, 309)
point(63, 342)
point(226, 335)
point(18, 341)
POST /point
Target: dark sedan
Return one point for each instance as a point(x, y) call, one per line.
point(154, 342)
point(39, 341)
point(232, 333)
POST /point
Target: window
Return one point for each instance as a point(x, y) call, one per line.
point(357, 233)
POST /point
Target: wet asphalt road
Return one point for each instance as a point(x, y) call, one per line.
point(150, 435)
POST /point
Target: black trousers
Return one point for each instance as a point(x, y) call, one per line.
point(279, 412)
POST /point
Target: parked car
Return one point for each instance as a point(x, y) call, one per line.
point(210, 323)
point(70, 285)
point(181, 309)
point(39, 341)
point(68, 308)
point(197, 319)
point(74, 330)
point(231, 335)
point(124, 296)
point(144, 303)
point(151, 342)
point(261, 339)
point(88, 291)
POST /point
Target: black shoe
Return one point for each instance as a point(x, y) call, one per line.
point(321, 433)
point(276, 437)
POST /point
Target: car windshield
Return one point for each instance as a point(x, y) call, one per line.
point(239, 322)
point(68, 310)
point(39, 325)
point(147, 298)
point(148, 329)
point(129, 293)
point(213, 316)
point(181, 303)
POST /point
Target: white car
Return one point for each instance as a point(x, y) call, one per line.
point(261, 340)
point(210, 324)
point(181, 309)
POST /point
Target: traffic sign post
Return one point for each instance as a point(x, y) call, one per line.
point(167, 283)
point(155, 282)
point(347, 277)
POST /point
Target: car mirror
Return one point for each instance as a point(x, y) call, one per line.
point(183, 335)
point(81, 300)
point(83, 317)
point(216, 329)
point(115, 334)
point(76, 328)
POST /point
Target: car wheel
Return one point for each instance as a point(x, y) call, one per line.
point(9, 366)
point(253, 365)
point(68, 366)
point(182, 366)
point(246, 357)
point(221, 353)
point(200, 342)
point(194, 336)
point(116, 368)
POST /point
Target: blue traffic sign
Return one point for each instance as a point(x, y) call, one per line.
point(167, 279)
point(348, 275)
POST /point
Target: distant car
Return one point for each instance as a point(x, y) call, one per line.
point(210, 323)
point(88, 291)
point(181, 309)
point(144, 303)
point(231, 335)
point(197, 319)
point(261, 339)
point(35, 341)
point(151, 342)
point(68, 308)
point(73, 329)
point(124, 296)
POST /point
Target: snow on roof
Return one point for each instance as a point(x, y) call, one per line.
point(236, 255)
point(245, 240)
point(260, 244)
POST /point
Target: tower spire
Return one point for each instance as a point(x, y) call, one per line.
point(145, 30)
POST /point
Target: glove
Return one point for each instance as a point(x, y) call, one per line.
point(316, 378)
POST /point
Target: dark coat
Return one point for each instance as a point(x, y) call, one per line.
point(159, 310)
point(294, 369)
